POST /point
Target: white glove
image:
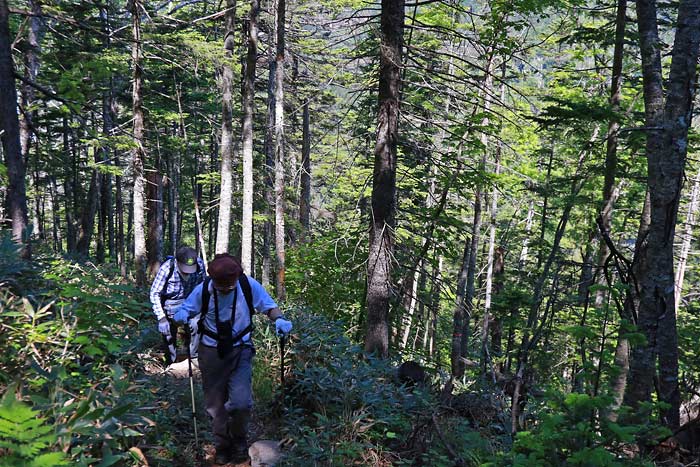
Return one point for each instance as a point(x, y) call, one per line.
point(194, 324)
point(164, 327)
point(282, 326)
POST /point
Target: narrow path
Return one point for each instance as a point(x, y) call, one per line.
point(171, 408)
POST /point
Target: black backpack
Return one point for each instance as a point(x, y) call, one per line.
point(163, 292)
point(247, 293)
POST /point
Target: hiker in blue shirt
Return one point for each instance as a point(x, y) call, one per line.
point(175, 280)
point(226, 301)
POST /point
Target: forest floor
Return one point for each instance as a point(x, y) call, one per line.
point(169, 391)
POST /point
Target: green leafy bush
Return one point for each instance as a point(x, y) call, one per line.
point(572, 434)
point(345, 408)
point(64, 346)
point(26, 437)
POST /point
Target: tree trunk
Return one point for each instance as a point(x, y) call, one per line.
point(55, 218)
point(269, 164)
point(280, 207)
point(667, 126)
point(305, 195)
point(139, 152)
point(687, 239)
point(87, 220)
point(28, 120)
point(119, 240)
point(226, 193)
point(628, 316)
point(610, 186)
point(458, 316)
point(488, 320)
point(522, 261)
point(9, 123)
point(381, 244)
point(248, 104)
point(410, 307)
point(496, 326)
point(108, 118)
point(68, 192)
point(155, 217)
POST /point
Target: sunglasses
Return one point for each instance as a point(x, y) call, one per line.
point(224, 288)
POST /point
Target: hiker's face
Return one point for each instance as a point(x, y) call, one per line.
point(224, 289)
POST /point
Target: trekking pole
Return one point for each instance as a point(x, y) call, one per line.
point(194, 407)
point(283, 338)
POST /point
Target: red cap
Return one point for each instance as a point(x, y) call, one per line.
point(225, 269)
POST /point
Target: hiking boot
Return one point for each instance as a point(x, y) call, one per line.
point(240, 455)
point(223, 456)
point(239, 450)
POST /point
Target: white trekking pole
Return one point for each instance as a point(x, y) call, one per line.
point(194, 406)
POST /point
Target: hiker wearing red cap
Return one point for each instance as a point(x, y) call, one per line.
point(226, 301)
point(174, 281)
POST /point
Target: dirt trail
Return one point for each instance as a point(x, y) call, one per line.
point(171, 408)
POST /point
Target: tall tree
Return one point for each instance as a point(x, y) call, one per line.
point(108, 118)
point(28, 120)
point(155, 218)
point(248, 104)
point(226, 196)
point(138, 155)
point(381, 241)
point(610, 194)
point(87, 219)
point(269, 159)
point(667, 121)
point(9, 123)
point(279, 152)
point(305, 195)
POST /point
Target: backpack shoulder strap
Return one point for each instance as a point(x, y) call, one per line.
point(205, 298)
point(247, 293)
point(164, 289)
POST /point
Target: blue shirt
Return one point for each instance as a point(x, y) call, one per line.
point(262, 302)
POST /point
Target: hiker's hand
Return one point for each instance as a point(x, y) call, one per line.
point(164, 326)
point(181, 316)
point(282, 326)
point(194, 325)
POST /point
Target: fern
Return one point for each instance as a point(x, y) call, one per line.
point(25, 436)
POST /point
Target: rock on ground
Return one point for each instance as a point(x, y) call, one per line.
point(264, 453)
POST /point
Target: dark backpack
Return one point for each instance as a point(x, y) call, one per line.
point(163, 292)
point(247, 293)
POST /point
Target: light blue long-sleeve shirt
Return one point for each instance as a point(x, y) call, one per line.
point(262, 302)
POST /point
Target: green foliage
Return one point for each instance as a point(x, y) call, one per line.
point(327, 277)
point(25, 436)
point(573, 432)
point(345, 408)
point(63, 345)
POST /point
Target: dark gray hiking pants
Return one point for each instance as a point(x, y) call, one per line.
point(228, 394)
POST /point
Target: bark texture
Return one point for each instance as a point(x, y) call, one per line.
point(381, 243)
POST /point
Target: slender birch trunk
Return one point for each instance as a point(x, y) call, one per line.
point(687, 239)
point(248, 104)
point(226, 146)
point(305, 195)
point(280, 153)
point(139, 152)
